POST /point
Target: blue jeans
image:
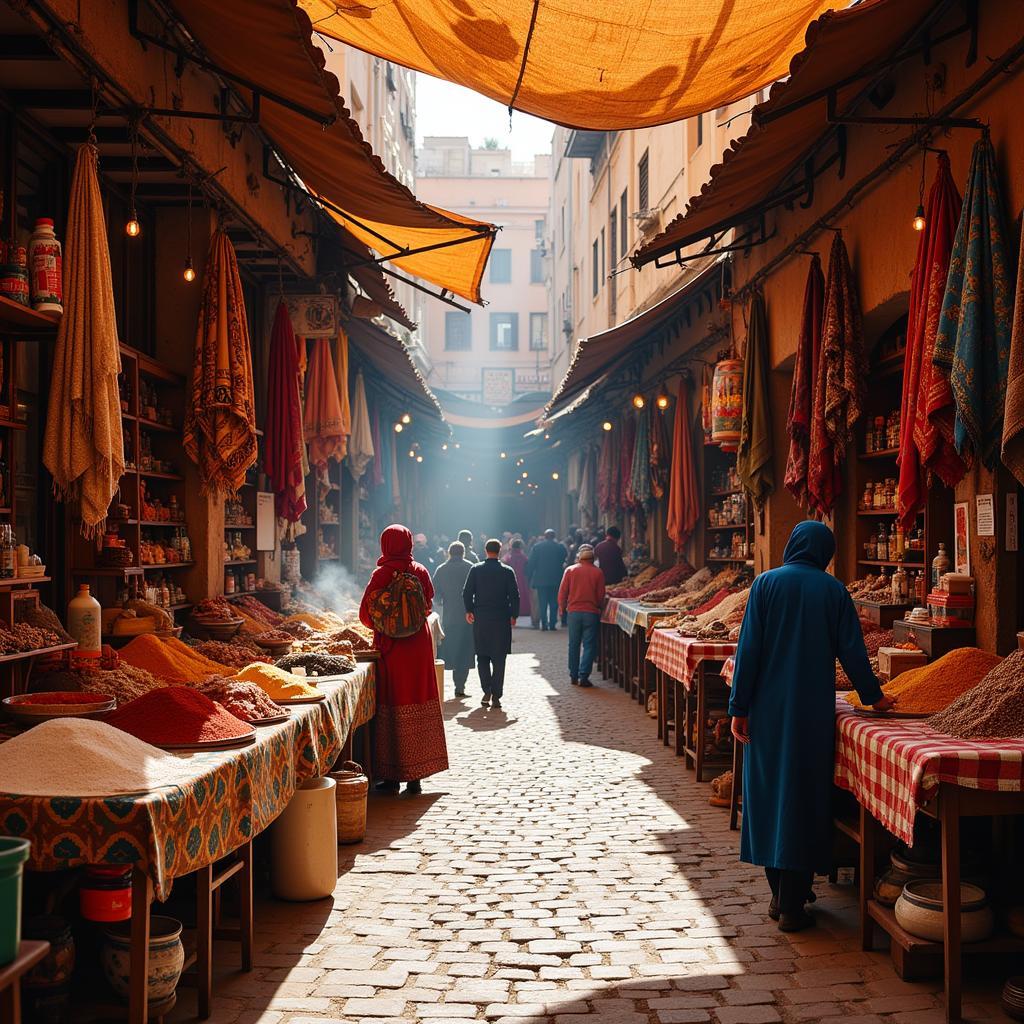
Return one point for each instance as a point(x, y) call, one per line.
point(548, 597)
point(582, 631)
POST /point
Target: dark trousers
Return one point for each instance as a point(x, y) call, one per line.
point(492, 674)
point(459, 676)
point(790, 888)
point(548, 597)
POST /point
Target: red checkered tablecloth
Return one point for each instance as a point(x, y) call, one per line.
point(679, 656)
point(895, 767)
point(610, 611)
point(727, 670)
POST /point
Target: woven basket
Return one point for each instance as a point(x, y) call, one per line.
point(351, 787)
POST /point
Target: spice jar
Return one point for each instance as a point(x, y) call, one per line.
point(899, 584)
point(940, 566)
point(871, 548)
point(44, 259)
point(867, 501)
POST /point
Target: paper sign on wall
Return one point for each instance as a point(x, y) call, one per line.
point(264, 521)
point(1012, 524)
point(986, 516)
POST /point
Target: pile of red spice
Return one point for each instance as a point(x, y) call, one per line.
point(177, 716)
point(61, 697)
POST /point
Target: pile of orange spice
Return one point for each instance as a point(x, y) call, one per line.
point(170, 659)
point(930, 688)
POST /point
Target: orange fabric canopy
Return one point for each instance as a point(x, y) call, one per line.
point(840, 46)
point(268, 43)
point(606, 65)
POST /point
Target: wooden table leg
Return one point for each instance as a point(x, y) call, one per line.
point(949, 815)
point(659, 683)
point(737, 785)
point(10, 1003)
point(679, 711)
point(246, 917)
point(138, 991)
point(702, 714)
point(204, 940)
point(866, 876)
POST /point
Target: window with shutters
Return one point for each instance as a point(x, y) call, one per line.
point(504, 332)
point(643, 196)
point(596, 283)
point(536, 266)
point(457, 332)
point(538, 332)
point(623, 224)
point(501, 266)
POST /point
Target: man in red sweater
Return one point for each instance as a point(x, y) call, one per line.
point(582, 595)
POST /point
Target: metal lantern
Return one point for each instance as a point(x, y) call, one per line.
point(727, 404)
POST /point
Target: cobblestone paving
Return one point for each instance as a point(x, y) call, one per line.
point(566, 867)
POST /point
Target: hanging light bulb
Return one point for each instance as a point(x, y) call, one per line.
point(547, 437)
point(399, 428)
point(412, 454)
point(503, 455)
point(662, 402)
point(133, 228)
point(457, 445)
point(444, 447)
point(554, 476)
point(189, 273)
point(419, 458)
point(638, 401)
point(406, 418)
point(469, 479)
point(525, 474)
point(606, 425)
point(919, 218)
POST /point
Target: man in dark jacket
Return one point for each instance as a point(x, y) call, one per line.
point(609, 556)
point(544, 571)
point(491, 597)
point(466, 540)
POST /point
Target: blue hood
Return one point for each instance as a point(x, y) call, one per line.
point(810, 543)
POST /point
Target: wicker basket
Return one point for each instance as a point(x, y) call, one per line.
point(213, 629)
point(351, 787)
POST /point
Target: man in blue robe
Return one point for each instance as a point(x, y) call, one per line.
point(799, 619)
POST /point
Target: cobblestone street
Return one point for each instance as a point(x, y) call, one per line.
point(567, 866)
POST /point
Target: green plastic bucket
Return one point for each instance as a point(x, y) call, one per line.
point(13, 854)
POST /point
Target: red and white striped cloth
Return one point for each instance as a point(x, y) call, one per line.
point(894, 767)
point(610, 611)
point(679, 656)
point(727, 670)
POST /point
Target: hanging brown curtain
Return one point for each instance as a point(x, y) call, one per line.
point(83, 446)
point(220, 422)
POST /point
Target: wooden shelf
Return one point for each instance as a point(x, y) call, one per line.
point(22, 655)
point(157, 425)
point(13, 424)
point(734, 561)
point(148, 567)
point(24, 581)
point(882, 453)
point(162, 522)
point(885, 917)
point(240, 526)
point(891, 364)
point(876, 511)
point(328, 558)
point(180, 607)
point(906, 563)
point(13, 315)
point(239, 561)
point(160, 475)
point(106, 570)
point(129, 416)
point(731, 526)
point(849, 828)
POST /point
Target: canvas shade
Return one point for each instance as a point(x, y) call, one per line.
point(269, 42)
point(607, 64)
point(602, 353)
point(839, 46)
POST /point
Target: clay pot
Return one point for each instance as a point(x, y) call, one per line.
point(166, 957)
point(919, 912)
point(1013, 997)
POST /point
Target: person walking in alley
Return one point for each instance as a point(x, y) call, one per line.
point(799, 619)
point(457, 646)
point(516, 559)
point(410, 742)
point(609, 557)
point(491, 600)
point(466, 540)
point(581, 595)
point(544, 571)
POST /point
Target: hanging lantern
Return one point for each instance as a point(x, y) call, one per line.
point(727, 404)
point(705, 403)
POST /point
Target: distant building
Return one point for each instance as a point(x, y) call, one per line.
point(502, 352)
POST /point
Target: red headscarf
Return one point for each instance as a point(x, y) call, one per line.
point(396, 548)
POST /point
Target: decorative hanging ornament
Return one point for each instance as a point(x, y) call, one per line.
point(705, 403)
point(727, 404)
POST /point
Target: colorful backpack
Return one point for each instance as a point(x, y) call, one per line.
point(399, 609)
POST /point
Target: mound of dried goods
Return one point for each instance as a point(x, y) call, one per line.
point(52, 697)
point(273, 638)
point(177, 716)
point(216, 609)
point(670, 577)
point(23, 637)
point(318, 664)
point(872, 588)
point(874, 639)
point(236, 654)
point(641, 578)
point(126, 682)
point(144, 609)
point(44, 618)
point(258, 610)
point(170, 659)
point(358, 638)
point(244, 700)
point(932, 688)
point(276, 683)
point(993, 709)
point(84, 757)
point(322, 622)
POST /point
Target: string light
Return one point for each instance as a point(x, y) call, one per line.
point(638, 402)
point(399, 428)
point(918, 221)
point(663, 402)
point(444, 447)
point(189, 273)
point(406, 418)
point(469, 479)
point(606, 425)
point(525, 474)
point(919, 218)
point(133, 228)
point(457, 445)
point(412, 454)
point(554, 476)
point(503, 455)
point(419, 458)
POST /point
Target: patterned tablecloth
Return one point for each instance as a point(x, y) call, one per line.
point(679, 656)
point(234, 796)
point(895, 767)
point(610, 611)
point(727, 670)
point(630, 614)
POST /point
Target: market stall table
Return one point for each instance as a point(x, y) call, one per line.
point(686, 662)
point(633, 621)
point(29, 954)
point(166, 833)
point(898, 768)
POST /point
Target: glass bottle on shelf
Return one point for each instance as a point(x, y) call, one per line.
point(868, 500)
point(899, 541)
point(940, 566)
point(883, 544)
point(871, 548)
point(899, 584)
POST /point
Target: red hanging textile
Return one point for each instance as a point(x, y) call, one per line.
point(283, 456)
point(684, 492)
point(605, 463)
point(625, 462)
point(924, 443)
point(801, 399)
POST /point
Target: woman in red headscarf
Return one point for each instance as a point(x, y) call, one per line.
point(410, 743)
